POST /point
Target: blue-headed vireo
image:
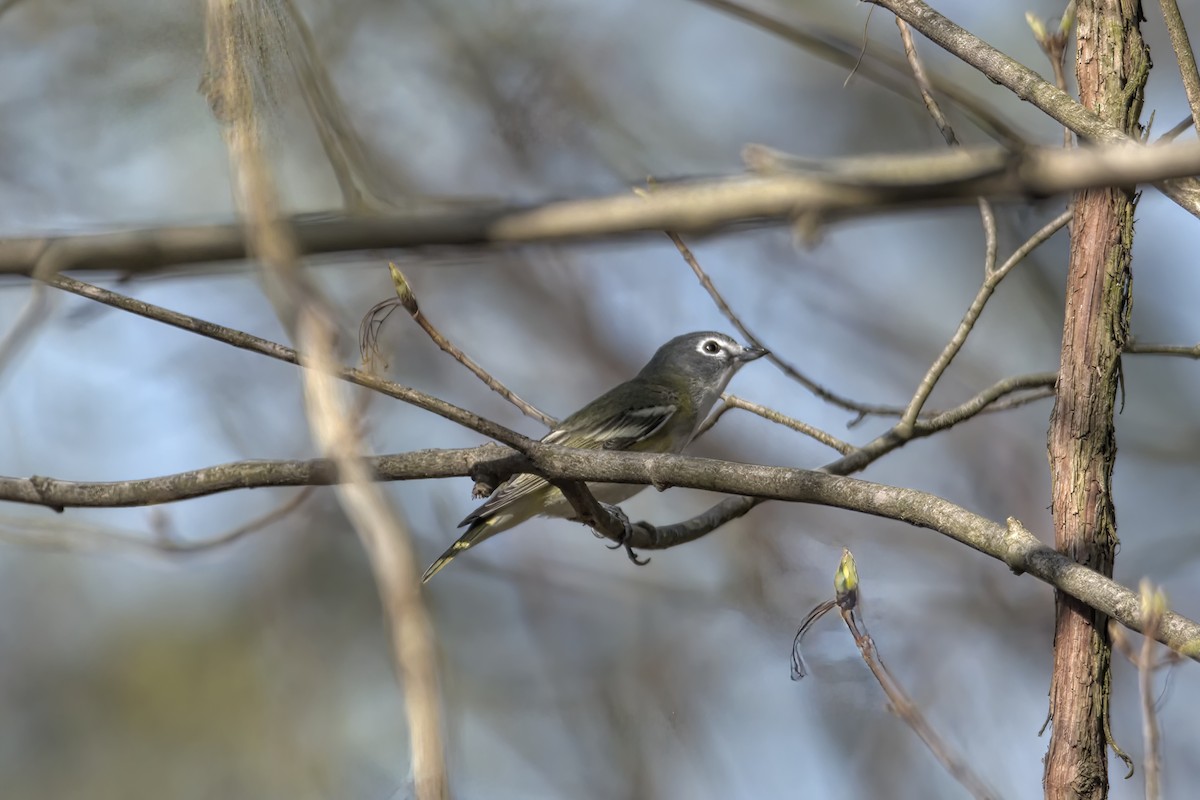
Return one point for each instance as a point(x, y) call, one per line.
point(658, 411)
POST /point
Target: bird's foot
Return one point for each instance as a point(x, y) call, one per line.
point(626, 534)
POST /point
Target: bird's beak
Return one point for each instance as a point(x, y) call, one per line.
point(752, 353)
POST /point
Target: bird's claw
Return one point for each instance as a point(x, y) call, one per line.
point(641, 562)
point(626, 535)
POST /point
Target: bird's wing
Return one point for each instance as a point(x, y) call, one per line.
point(620, 432)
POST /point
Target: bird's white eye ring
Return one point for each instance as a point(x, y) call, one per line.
point(712, 347)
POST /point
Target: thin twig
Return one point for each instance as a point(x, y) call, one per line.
point(925, 87)
point(990, 282)
point(846, 596)
point(71, 534)
point(279, 352)
point(988, 399)
point(862, 409)
point(1181, 350)
point(1033, 396)
point(827, 439)
point(1175, 132)
point(721, 410)
point(1054, 46)
point(372, 323)
point(174, 545)
point(836, 50)
point(1184, 55)
point(1153, 605)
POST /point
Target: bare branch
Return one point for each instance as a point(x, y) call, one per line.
point(1014, 545)
point(786, 367)
point(304, 312)
point(1182, 350)
point(991, 280)
point(829, 46)
point(255, 344)
point(847, 586)
point(407, 299)
point(1029, 86)
point(987, 400)
point(771, 414)
point(830, 190)
point(1186, 58)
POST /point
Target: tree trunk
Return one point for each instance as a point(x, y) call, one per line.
point(1111, 65)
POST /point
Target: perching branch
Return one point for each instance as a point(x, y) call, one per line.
point(1012, 544)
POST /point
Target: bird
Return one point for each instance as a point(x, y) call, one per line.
point(657, 411)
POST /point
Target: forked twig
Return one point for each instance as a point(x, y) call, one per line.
point(990, 282)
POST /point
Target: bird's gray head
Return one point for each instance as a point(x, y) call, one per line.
point(706, 360)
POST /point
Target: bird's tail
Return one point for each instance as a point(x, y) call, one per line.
point(479, 530)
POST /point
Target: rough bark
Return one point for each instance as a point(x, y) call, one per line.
point(1111, 66)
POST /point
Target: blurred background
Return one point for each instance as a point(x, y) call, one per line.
point(261, 669)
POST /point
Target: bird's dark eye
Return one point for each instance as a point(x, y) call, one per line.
point(711, 347)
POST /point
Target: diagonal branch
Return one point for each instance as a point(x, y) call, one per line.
point(279, 352)
point(1184, 55)
point(1030, 86)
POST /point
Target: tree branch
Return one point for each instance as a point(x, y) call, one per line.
point(1184, 55)
point(829, 190)
point(1031, 87)
point(279, 352)
point(836, 50)
point(1014, 545)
